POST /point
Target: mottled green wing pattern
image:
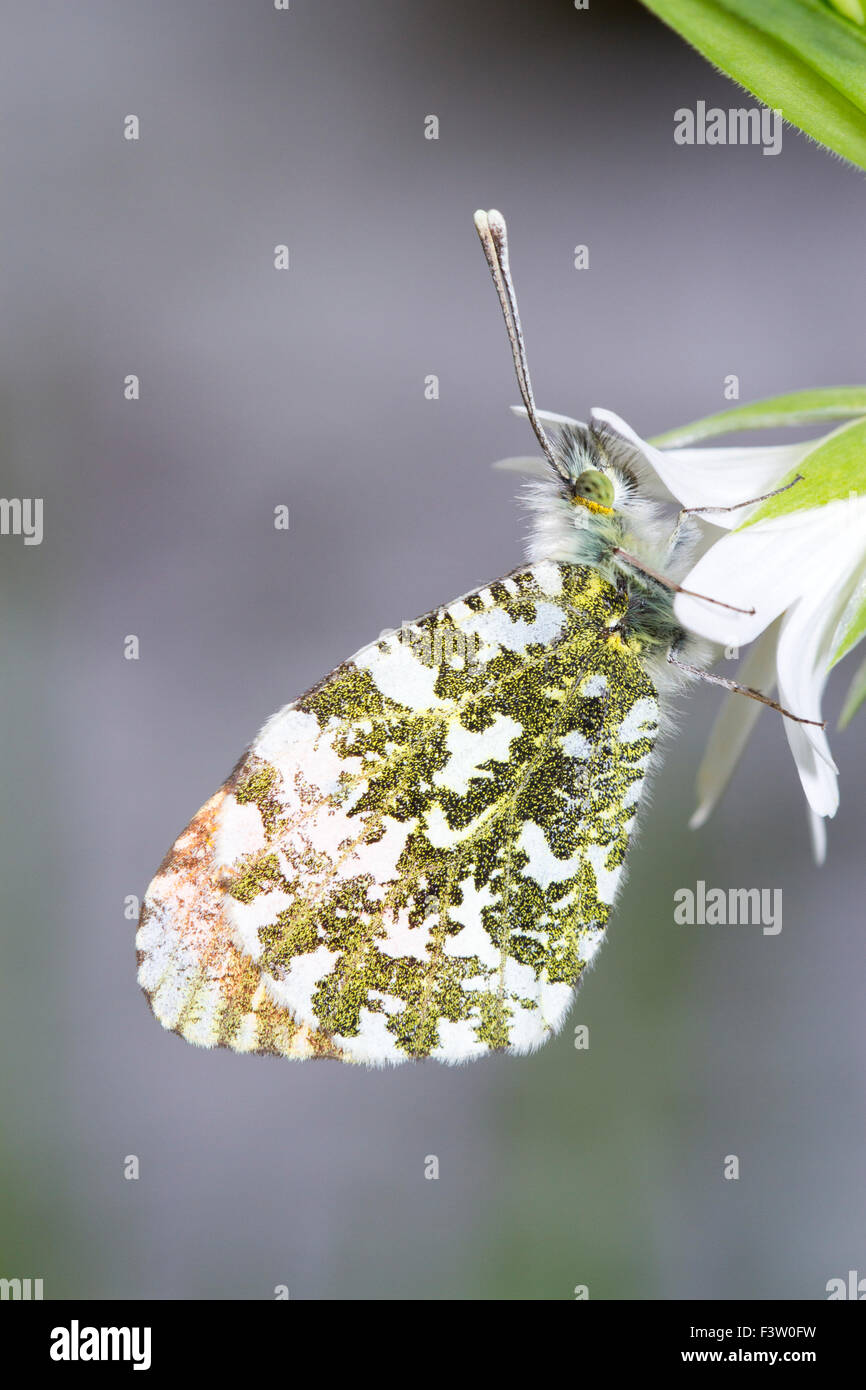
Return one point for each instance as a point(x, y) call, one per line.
point(418, 857)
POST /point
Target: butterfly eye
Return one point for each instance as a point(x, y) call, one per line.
point(594, 486)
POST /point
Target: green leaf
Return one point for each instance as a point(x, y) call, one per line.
point(851, 626)
point(797, 56)
point(855, 697)
point(852, 9)
point(795, 408)
point(835, 469)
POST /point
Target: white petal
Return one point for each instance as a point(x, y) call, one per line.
point(818, 834)
point(549, 417)
point(728, 477)
point(768, 566)
point(819, 777)
point(536, 465)
point(734, 725)
point(715, 477)
point(643, 462)
point(802, 672)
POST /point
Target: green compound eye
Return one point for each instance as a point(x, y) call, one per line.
point(594, 486)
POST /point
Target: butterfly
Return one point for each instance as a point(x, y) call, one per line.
point(418, 857)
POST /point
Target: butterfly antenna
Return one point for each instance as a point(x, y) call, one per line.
point(494, 240)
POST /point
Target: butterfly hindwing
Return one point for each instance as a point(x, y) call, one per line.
point(418, 857)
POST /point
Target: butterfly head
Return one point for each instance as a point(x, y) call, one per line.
point(587, 499)
point(592, 473)
point(595, 491)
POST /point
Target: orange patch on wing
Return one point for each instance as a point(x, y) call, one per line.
point(188, 892)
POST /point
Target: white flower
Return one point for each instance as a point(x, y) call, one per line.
point(799, 572)
point(802, 573)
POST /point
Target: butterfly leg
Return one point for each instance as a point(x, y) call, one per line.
point(735, 506)
point(683, 531)
point(633, 562)
point(738, 689)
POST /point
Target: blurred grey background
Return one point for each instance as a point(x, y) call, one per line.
point(602, 1168)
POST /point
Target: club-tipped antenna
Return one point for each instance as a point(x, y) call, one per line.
point(494, 240)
